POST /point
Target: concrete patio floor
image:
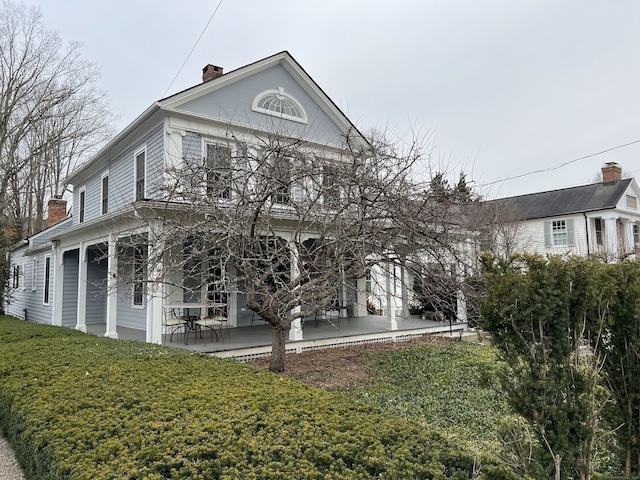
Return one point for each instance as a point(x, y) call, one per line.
point(255, 341)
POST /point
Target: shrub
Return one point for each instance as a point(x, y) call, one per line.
point(75, 406)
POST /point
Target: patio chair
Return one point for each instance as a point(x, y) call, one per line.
point(173, 323)
point(211, 322)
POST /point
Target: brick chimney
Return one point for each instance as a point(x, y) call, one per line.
point(211, 72)
point(611, 172)
point(57, 211)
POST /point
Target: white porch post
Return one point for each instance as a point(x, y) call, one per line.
point(405, 292)
point(58, 282)
point(295, 332)
point(81, 322)
point(360, 305)
point(112, 288)
point(611, 235)
point(154, 296)
point(628, 236)
point(391, 301)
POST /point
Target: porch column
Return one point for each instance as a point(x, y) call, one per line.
point(58, 283)
point(112, 288)
point(360, 304)
point(461, 306)
point(295, 333)
point(154, 295)
point(405, 292)
point(391, 300)
point(611, 236)
point(82, 289)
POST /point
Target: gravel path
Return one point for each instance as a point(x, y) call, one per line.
point(9, 468)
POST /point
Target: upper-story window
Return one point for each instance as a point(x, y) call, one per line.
point(279, 104)
point(81, 206)
point(104, 195)
point(330, 189)
point(282, 180)
point(140, 171)
point(218, 169)
point(632, 202)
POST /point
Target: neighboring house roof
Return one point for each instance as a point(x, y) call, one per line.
point(566, 201)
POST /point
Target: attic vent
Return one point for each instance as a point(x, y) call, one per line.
point(279, 104)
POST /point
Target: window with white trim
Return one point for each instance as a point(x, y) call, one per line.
point(81, 206)
point(104, 194)
point(218, 170)
point(632, 202)
point(140, 172)
point(636, 234)
point(16, 276)
point(330, 189)
point(282, 177)
point(599, 230)
point(279, 104)
point(47, 280)
point(559, 233)
point(34, 272)
point(139, 270)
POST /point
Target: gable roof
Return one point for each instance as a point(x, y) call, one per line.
point(284, 59)
point(566, 201)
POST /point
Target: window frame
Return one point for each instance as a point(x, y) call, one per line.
point(283, 191)
point(104, 194)
point(15, 279)
point(34, 275)
point(213, 179)
point(636, 234)
point(559, 231)
point(140, 182)
point(139, 272)
point(631, 201)
point(598, 229)
point(279, 93)
point(82, 205)
point(46, 280)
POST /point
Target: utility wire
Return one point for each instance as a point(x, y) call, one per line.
point(194, 47)
point(550, 169)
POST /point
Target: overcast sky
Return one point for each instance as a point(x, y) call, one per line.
point(505, 88)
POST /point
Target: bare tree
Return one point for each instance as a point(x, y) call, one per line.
point(290, 223)
point(51, 115)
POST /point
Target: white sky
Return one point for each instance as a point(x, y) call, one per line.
point(505, 87)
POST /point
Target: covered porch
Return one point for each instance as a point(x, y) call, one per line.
point(245, 343)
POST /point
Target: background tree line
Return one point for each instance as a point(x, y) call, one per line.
point(52, 115)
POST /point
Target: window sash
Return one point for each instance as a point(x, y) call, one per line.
point(139, 255)
point(559, 233)
point(140, 173)
point(47, 280)
point(105, 194)
point(218, 169)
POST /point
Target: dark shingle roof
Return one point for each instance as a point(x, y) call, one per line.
point(567, 201)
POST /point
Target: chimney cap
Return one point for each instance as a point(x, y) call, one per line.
point(210, 72)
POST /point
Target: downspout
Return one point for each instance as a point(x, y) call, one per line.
point(586, 227)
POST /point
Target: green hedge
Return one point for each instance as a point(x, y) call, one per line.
point(76, 406)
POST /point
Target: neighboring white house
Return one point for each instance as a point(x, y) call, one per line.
point(600, 219)
point(66, 275)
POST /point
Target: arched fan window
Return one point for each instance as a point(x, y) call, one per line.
point(279, 104)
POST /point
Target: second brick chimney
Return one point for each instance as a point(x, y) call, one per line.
point(210, 72)
point(56, 211)
point(611, 172)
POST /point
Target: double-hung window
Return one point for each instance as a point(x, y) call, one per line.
point(282, 180)
point(47, 280)
point(559, 233)
point(598, 224)
point(104, 195)
point(218, 169)
point(140, 171)
point(16, 276)
point(636, 234)
point(81, 206)
point(139, 269)
point(330, 189)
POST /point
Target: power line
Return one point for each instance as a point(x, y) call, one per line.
point(194, 47)
point(550, 169)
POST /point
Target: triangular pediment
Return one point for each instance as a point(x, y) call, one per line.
point(273, 94)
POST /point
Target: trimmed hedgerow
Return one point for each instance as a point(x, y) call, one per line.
point(75, 406)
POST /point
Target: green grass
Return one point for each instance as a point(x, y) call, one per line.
point(75, 406)
point(449, 386)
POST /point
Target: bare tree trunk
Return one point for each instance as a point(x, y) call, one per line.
point(279, 339)
point(556, 460)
